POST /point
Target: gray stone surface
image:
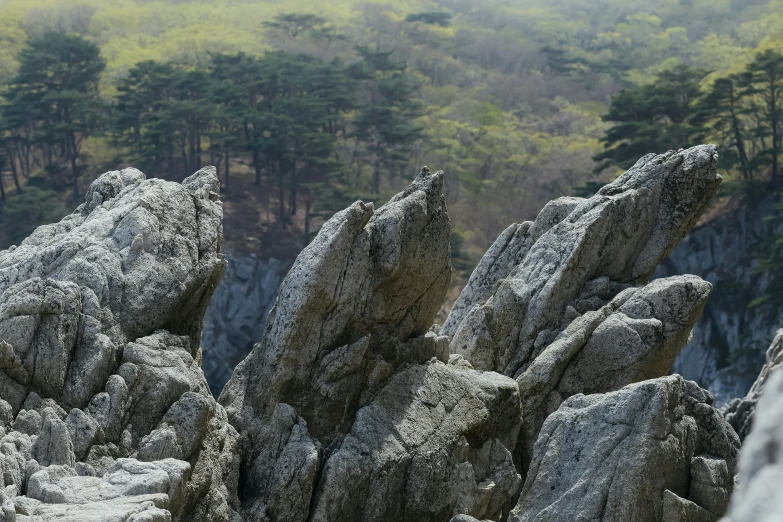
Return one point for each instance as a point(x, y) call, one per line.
point(350, 406)
point(620, 234)
point(618, 456)
point(758, 498)
point(236, 316)
point(731, 338)
point(347, 406)
point(740, 412)
point(100, 322)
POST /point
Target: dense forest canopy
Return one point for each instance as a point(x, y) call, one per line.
point(303, 107)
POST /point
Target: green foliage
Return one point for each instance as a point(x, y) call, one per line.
point(506, 97)
point(432, 18)
point(52, 101)
point(654, 117)
point(37, 205)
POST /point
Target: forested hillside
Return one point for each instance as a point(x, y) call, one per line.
point(303, 106)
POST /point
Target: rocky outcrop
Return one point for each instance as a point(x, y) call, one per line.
point(572, 315)
point(347, 408)
point(106, 412)
point(651, 451)
point(740, 412)
point(352, 406)
point(731, 337)
point(757, 498)
point(237, 312)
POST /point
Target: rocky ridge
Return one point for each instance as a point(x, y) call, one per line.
point(546, 382)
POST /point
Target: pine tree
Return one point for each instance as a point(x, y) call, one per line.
point(653, 117)
point(56, 89)
point(763, 79)
point(386, 121)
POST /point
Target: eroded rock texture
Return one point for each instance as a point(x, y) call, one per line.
point(759, 420)
point(106, 414)
point(643, 453)
point(347, 408)
point(758, 497)
point(352, 407)
point(740, 412)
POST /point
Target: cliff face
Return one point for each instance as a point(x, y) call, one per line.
point(544, 397)
point(237, 313)
point(730, 339)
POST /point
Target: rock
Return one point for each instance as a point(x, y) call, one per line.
point(760, 470)
point(376, 275)
point(53, 445)
point(506, 253)
point(100, 321)
point(614, 456)
point(237, 313)
point(432, 444)
point(635, 337)
point(621, 233)
point(739, 412)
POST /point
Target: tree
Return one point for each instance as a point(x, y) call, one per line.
point(386, 120)
point(431, 18)
point(720, 115)
point(56, 87)
point(294, 24)
point(141, 115)
point(653, 117)
point(763, 79)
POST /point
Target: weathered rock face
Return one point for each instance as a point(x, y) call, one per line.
point(621, 234)
point(237, 313)
point(351, 407)
point(760, 472)
point(106, 412)
point(643, 453)
point(347, 407)
point(558, 303)
point(730, 338)
point(740, 412)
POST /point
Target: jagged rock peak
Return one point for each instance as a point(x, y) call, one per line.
point(105, 411)
point(537, 270)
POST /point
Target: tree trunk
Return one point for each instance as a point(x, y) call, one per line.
point(14, 175)
point(228, 170)
point(281, 197)
point(376, 177)
point(307, 221)
point(292, 203)
point(257, 166)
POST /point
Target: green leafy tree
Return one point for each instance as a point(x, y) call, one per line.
point(763, 79)
point(56, 89)
point(653, 117)
point(294, 24)
point(386, 120)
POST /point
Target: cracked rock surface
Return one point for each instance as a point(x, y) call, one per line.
point(759, 419)
point(106, 414)
point(347, 408)
point(543, 397)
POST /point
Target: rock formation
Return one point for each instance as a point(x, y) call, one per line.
point(740, 412)
point(647, 452)
point(543, 395)
point(237, 314)
point(731, 337)
point(106, 413)
point(760, 472)
point(348, 407)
